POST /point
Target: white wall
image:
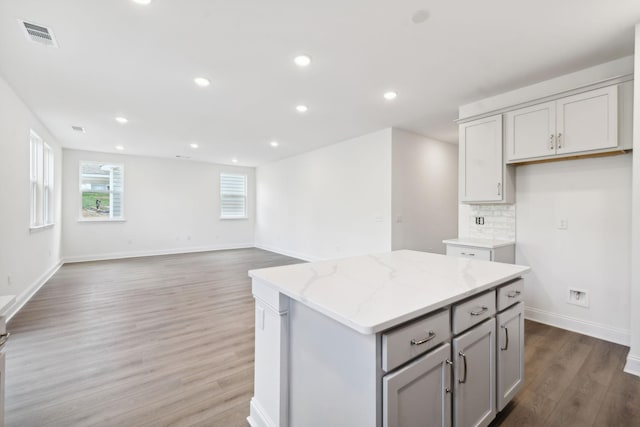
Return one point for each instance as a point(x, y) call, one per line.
point(594, 196)
point(424, 192)
point(331, 202)
point(30, 258)
point(170, 206)
point(633, 359)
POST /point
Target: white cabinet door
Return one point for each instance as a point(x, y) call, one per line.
point(481, 166)
point(510, 353)
point(531, 131)
point(475, 376)
point(588, 121)
point(420, 393)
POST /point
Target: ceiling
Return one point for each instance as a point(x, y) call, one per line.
point(119, 58)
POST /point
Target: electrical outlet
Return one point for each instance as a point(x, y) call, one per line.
point(578, 297)
point(563, 224)
point(479, 220)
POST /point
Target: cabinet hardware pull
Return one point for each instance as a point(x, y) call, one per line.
point(499, 189)
point(4, 338)
point(506, 332)
point(551, 142)
point(450, 363)
point(513, 294)
point(464, 360)
point(431, 336)
point(467, 254)
point(559, 141)
point(478, 313)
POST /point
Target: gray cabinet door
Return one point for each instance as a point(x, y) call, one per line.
point(475, 376)
point(481, 166)
point(419, 394)
point(510, 353)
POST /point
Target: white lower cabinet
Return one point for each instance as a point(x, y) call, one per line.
point(510, 351)
point(475, 376)
point(419, 394)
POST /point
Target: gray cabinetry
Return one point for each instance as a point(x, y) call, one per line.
point(419, 393)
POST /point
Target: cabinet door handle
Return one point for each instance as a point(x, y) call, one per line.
point(450, 363)
point(467, 254)
point(4, 338)
point(464, 360)
point(499, 188)
point(431, 336)
point(559, 141)
point(478, 313)
point(513, 294)
point(506, 344)
point(551, 141)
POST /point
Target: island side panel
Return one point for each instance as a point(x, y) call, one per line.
point(269, 405)
point(334, 372)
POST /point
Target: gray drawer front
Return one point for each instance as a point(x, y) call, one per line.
point(406, 342)
point(473, 311)
point(483, 254)
point(510, 294)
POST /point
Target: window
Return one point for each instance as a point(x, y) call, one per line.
point(101, 191)
point(41, 179)
point(233, 196)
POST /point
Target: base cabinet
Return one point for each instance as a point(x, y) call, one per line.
point(420, 393)
point(475, 376)
point(510, 353)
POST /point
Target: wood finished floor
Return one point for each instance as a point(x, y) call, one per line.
point(151, 341)
point(169, 341)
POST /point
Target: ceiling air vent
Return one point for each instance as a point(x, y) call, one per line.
point(39, 34)
point(78, 129)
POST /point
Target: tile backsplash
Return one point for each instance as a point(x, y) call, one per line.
point(499, 221)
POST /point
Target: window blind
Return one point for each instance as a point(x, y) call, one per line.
point(233, 196)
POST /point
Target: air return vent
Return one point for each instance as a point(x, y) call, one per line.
point(39, 34)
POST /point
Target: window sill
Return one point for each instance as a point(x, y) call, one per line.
point(36, 228)
point(234, 217)
point(102, 220)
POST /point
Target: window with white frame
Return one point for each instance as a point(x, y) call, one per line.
point(42, 182)
point(233, 196)
point(101, 191)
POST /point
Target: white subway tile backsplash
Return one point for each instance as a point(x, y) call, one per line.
point(499, 221)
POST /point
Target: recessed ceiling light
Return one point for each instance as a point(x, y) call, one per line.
point(302, 60)
point(122, 120)
point(193, 145)
point(302, 108)
point(78, 129)
point(391, 95)
point(119, 147)
point(420, 16)
point(144, 2)
point(274, 143)
point(202, 82)
point(234, 160)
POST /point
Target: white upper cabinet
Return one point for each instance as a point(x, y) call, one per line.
point(582, 123)
point(482, 170)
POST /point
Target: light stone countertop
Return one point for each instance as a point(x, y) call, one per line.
point(373, 293)
point(479, 243)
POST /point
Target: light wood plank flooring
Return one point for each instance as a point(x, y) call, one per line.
point(169, 341)
point(152, 341)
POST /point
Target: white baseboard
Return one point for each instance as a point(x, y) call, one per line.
point(28, 293)
point(293, 254)
point(633, 365)
point(138, 254)
point(593, 329)
point(257, 416)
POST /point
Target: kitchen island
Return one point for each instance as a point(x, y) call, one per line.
point(381, 340)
